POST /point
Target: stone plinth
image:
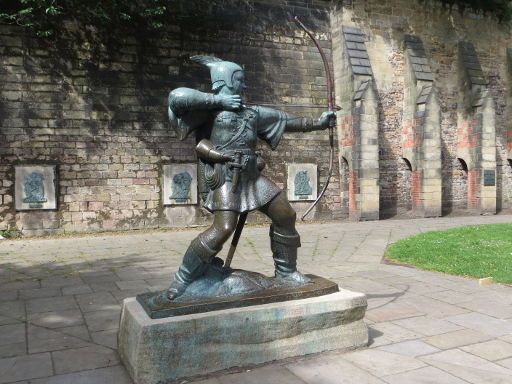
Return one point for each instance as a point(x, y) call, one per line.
point(162, 350)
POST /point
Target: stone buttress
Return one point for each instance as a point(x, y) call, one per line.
point(421, 131)
point(476, 136)
point(357, 123)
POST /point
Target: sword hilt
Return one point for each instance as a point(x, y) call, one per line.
point(236, 166)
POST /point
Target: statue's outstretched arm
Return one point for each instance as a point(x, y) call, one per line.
point(308, 124)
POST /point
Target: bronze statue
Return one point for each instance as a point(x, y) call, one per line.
point(232, 168)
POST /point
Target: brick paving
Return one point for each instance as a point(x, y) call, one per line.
point(60, 301)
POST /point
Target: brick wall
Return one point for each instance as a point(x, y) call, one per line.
point(386, 24)
point(96, 107)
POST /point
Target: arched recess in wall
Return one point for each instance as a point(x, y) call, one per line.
point(405, 170)
point(345, 184)
point(460, 199)
point(408, 163)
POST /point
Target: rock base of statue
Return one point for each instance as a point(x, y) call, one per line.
point(164, 350)
point(224, 288)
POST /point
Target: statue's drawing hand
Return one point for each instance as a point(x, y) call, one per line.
point(230, 102)
point(326, 118)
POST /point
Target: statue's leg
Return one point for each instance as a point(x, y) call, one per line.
point(284, 238)
point(201, 251)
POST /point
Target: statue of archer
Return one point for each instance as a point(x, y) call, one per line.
point(232, 168)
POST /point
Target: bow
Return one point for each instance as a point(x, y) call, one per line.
point(330, 106)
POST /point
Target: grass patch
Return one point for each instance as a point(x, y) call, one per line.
point(476, 251)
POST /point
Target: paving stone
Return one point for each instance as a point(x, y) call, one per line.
point(465, 359)
point(109, 375)
point(381, 363)
point(108, 286)
point(483, 323)
point(57, 319)
point(43, 340)
point(13, 310)
point(387, 333)
point(490, 350)
point(103, 320)
point(121, 295)
point(51, 304)
point(76, 290)
point(11, 350)
point(411, 348)
point(79, 331)
point(81, 359)
point(132, 284)
point(8, 295)
point(61, 281)
point(507, 363)
point(395, 292)
point(5, 320)
point(106, 338)
point(433, 307)
point(25, 367)
point(392, 312)
point(269, 374)
point(96, 301)
point(489, 307)
point(12, 334)
point(98, 277)
point(27, 294)
point(455, 339)
point(331, 371)
point(427, 325)
point(474, 375)
point(426, 375)
point(17, 285)
point(213, 380)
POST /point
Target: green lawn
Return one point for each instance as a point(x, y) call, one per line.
point(477, 251)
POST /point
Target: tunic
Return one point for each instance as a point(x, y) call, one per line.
point(231, 132)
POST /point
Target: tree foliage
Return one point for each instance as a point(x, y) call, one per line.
point(500, 9)
point(46, 17)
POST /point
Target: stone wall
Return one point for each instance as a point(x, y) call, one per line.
point(387, 26)
point(413, 141)
point(95, 107)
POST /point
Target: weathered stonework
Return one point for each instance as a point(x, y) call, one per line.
point(161, 350)
point(98, 111)
point(476, 132)
point(421, 132)
point(357, 124)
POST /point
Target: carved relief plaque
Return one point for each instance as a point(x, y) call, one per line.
point(179, 184)
point(302, 182)
point(35, 187)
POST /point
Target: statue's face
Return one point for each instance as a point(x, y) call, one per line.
point(238, 83)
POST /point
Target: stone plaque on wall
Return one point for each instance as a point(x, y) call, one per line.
point(179, 184)
point(489, 178)
point(35, 187)
point(302, 182)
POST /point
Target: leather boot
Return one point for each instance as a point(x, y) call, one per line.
point(195, 263)
point(284, 251)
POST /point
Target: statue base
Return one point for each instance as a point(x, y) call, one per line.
point(224, 288)
point(167, 349)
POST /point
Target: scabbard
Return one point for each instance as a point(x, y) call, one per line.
point(236, 238)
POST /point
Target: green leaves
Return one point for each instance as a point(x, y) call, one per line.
point(46, 17)
point(500, 9)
